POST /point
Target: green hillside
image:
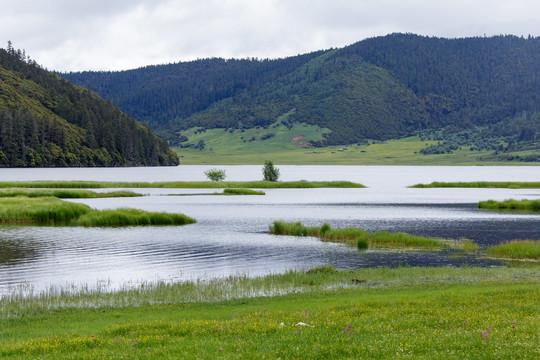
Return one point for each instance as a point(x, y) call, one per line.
point(47, 121)
point(479, 94)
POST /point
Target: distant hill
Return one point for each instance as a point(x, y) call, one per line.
point(380, 88)
point(45, 121)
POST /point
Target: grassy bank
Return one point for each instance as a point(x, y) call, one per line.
point(420, 313)
point(511, 205)
point(517, 249)
point(242, 192)
point(363, 239)
point(181, 184)
point(482, 184)
point(63, 193)
point(53, 211)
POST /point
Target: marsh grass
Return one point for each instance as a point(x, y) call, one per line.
point(131, 217)
point(63, 193)
point(511, 205)
point(53, 211)
point(363, 239)
point(46, 210)
point(242, 192)
point(516, 249)
point(302, 184)
point(482, 184)
point(426, 313)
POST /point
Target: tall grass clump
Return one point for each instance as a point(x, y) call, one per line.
point(63, 193)
point(364, 239)
point(39, 210)
point(516, 249)
point(511, 204)
point(482, 184)
point(132, 217)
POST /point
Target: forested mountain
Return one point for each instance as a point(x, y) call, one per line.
point(379, 88)
point(47, 121)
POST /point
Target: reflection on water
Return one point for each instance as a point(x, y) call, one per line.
point(231, 235)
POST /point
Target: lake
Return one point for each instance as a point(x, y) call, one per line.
point(231, 234)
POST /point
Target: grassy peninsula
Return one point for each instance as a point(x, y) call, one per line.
point(302, 184)
point(63, 193)
point(511, 205)
point(53, 211)
point(364, 239)
point(421, 313)
point(482, 184)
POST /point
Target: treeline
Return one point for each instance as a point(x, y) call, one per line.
point(47, 121)
point(379, 88)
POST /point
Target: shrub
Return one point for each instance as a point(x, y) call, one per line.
point(270, 173)
point(215, 174)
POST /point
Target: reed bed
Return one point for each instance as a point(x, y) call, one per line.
point(516, 249)
point(63, 193)
point(364, 239)
point(182, 184)
point(511, 205)
point(482, 184)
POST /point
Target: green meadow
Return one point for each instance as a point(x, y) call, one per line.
point(290, 145)
point(412, 313)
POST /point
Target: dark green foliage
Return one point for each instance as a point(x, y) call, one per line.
point(324, 269)
point(362, 243)
point(47, 121)
point(270, 173)
point(215, 174)
point(379, 88)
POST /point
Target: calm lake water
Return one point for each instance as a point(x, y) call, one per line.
point(231, 235)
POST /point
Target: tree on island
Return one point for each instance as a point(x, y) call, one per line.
point(270, 173)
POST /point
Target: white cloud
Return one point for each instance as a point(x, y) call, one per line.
point(120, 34)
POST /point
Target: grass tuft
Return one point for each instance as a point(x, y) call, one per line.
point(242, 192)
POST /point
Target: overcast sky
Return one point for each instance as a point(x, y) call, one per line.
point(74, 35)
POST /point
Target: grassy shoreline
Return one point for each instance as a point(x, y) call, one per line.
point(181, 184)
point(451, 313)
point(364, 239)
point(482, 184)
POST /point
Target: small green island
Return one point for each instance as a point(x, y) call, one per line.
point(511, 205)
point(364, 239)
point(482, 184)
